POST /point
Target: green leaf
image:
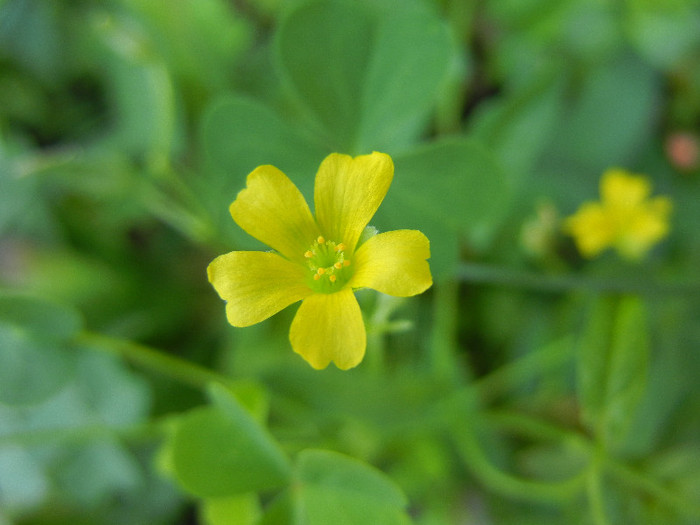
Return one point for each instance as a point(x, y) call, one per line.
point(23, 483)
point(519, 126)
point(200, 40)
point(30, 369)
point(611, 116)
point(448, 189)
point(333, 488)
point(612, 366)
point(33, 360)
point(220, 451)
point(348, 66)
point(39, 317)
point(242, 509)
point(240, 134)
point(142, 90)
point(664, 32)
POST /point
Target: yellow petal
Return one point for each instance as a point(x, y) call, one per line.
point(274, 211)
point(644, 228)
point(393, 263)
point(256, 285)
point(592, 228)
point(620, 189)
point(329, 327)
point(348, 192)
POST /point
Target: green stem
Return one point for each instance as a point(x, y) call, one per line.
point(632, 478)
point(153, 359)
point(594, 490)
point(536, 429)
point(80, 434)
point(499, 481)
point(520, 371)
point(442, 344)
point(477, 273)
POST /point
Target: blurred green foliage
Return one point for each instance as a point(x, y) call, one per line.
point(528, 386)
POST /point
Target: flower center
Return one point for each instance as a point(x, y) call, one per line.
point(330, 269)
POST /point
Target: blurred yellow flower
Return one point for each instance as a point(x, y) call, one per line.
point(319, 261)
point(625, 218)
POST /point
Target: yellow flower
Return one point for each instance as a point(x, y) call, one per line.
point(625, 219)
point(319, 261)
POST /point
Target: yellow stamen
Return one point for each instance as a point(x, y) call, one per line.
point(320, 239)
point(320, 271)
point(346, 262)
point(308, 254)
point(338, 265)
point(316, 277)
point(340, 247)
point(332, 278)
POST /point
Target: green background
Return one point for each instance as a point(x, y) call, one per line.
point(527, 386)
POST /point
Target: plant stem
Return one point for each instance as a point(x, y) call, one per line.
point(632, 478)
point(152, 359)
point(478, 273)
point(594, 490)
point(524, 369)
point(442, 344)
point(483, 469)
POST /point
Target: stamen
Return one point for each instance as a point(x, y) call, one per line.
point(327, 258)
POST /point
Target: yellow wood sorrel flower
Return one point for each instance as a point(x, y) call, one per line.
point(320, 260)
point(625, 218)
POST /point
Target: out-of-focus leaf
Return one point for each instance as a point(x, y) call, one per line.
point(95, 470)
point(39, 317)
point(199, 39)
point(333, 488)
point(31, 369)
point(664, 32)
point(671, 373)
point(17, 193)
point(101, 395)
point(220, 451)
point(33, 359)
point(612, 367)
point(243, 509)
point(22, 483)
point(141, 90)
point(610, 116)
point(239, 134)
point(680, 467)
point(349, 68)
point(519, 127)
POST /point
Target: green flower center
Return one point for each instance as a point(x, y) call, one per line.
point(329, 269)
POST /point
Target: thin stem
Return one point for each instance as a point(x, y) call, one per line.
point(477, 273)
point(482, 468)
point(445, 322)
point(522, 370)
point(632, 478)
point(154, 429)
point(538, 429)
point(594, 490)
point(153, 359)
